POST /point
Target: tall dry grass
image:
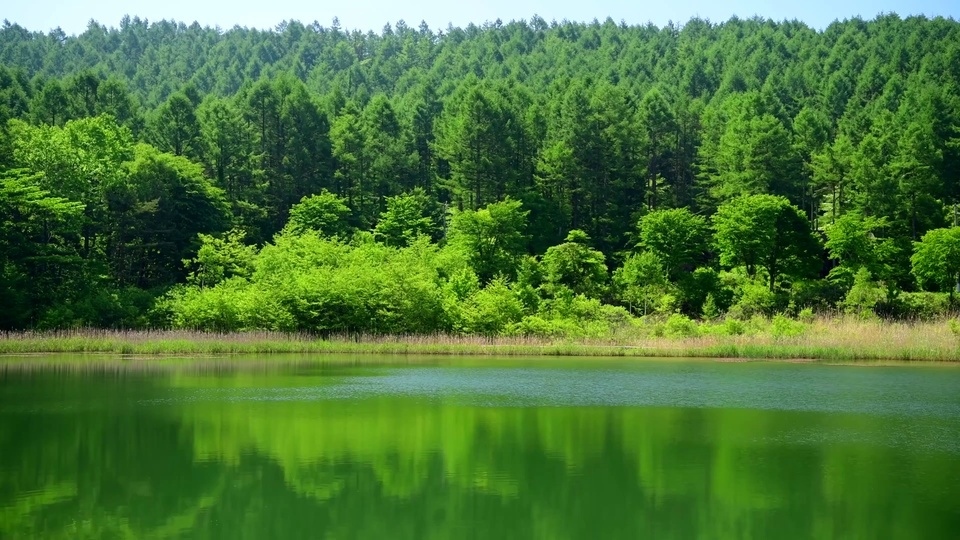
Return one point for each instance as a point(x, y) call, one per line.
point(829, 338)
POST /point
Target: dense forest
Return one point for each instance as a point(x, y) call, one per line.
point(527, 178)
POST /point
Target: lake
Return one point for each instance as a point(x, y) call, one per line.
point(421, 448)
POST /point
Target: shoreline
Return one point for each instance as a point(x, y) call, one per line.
point(826, 341)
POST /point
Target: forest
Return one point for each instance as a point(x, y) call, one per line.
point(527, 178)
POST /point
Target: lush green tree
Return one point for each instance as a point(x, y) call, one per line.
point(641, 282)
point(114, 98)
point(39, 264)
point(157, 212)
point(831, 168)
point(490, 310)
point(323, 213)
point(478, 141)
point(51, 104)
point(677, 237)
point(220, 258)
point(493, 238)
point(406, 217)
point(751, 153)
point(352, 178)
point(78, 161)
point(175, 127)
point(766, 232)
point(230, 159)
point(854, 243)
point(391, 157)
point(659, 124)
point(573, 264)
point(936, 259)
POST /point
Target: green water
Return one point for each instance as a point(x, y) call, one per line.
point(502, 449)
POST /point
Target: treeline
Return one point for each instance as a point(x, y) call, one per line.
point(523, 177)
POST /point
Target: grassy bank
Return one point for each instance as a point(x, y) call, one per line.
point(832, 339)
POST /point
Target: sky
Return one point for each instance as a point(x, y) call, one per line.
point(72, 15)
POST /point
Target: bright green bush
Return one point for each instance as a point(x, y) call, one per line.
point(536, 326)
point(754, 298)
point(680, 326)
point(490, 311)
point(210, 308)
point(864, 295)
point(918, 306)
point(784, 327)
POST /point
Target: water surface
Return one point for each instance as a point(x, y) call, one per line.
point(447, 448)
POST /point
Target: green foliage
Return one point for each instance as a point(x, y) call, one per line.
point(936, 259)
point(160, 207)
point(752, 298)
point(864, 295)
point(323, 213)
point(766, 232)
point(697, 286)
point(128, 150)
point(733, 327)
point(954, 325)
point(641, 282)
point(574, 265)
point(852, 241)
point(406, 217)
point(919, 306)
point(220, 258)
point(710, 309)
point(492, 238)
point(784, 327)
point(680, 326)
point(490, 310)
point(677, 237)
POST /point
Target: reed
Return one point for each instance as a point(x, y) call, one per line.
point(828, 339)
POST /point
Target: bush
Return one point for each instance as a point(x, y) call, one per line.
point(536, 326)
point(701, 286)
point(667, 304)
point(734, 327)
point(680, 326)
point(955, 327)
point(784, 327)
point(918, 306)
point(491, 311)
point(211, 308)
point(864, 295)
point(755, 299)
point(710, 309)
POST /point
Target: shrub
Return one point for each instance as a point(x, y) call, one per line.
point(667, 304)
point(784, 327)
point(710, 309)
point(918, 305)
point(755, 299)
point(864, 295)
point(733, 327)
point(491, 310)
point(536, 326)
point(680, 326)
point(955, 327)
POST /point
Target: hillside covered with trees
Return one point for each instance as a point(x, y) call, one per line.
point(526, 178)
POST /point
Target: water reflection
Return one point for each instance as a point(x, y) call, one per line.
point(568, 450)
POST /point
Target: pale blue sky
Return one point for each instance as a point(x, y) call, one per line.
point(72, 15)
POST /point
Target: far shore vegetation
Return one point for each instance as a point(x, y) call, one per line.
point(518, 188)
point(844, 339)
